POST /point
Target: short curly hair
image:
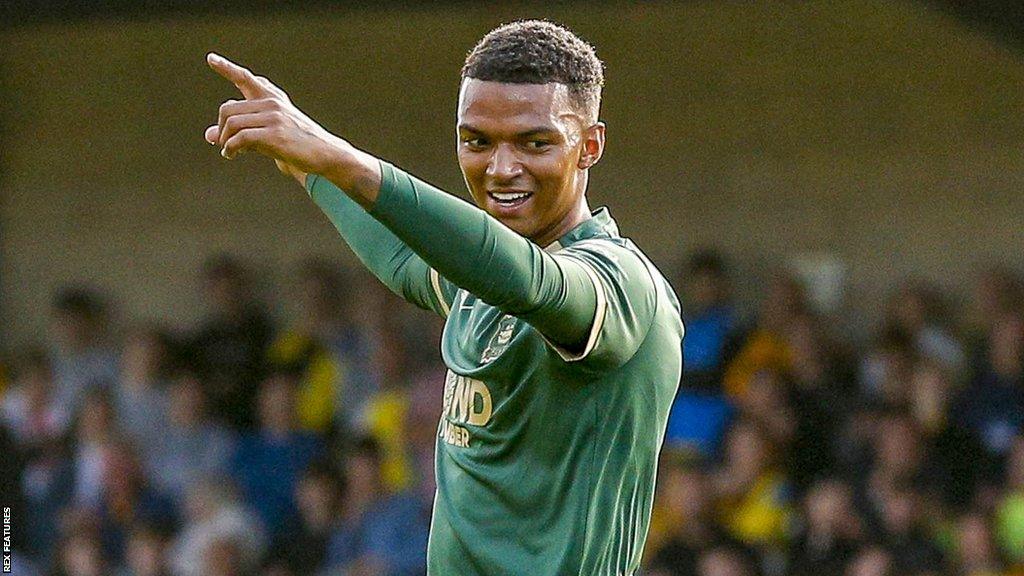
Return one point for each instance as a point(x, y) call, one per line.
point(540, 52)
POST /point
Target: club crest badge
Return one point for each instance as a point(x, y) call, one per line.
point(500, 340)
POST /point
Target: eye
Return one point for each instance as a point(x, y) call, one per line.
point(537, 144)
point(475, 143)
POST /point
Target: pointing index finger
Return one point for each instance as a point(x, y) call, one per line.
point(240, 76)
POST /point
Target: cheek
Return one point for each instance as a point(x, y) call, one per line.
point(473, 171)
point(557, 174)
point(468, 167)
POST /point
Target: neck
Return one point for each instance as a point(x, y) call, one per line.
point(580, 213)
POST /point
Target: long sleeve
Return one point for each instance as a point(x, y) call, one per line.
point(557, 295)
point(386, 256)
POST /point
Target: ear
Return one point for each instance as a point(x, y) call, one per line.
point(593, 145)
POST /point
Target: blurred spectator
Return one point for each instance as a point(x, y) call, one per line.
point(30, 409)
point(953, 449)
point(141, 398)
point(918, 310)
point(815, 400)
point(213, 514)
point(766, 346)
point(975, 547)
point(753, 492)
point(277, 445)
point(385, 414)
point(22, 566)
point(230, 347)
point(421, 419)
point(701, 412)
point(82, 357)
point(302, 546)
point(127, 499)
point(710, 320)
point(831, 532)
point(698, 421)
point(886, 369)
point(329, 349)
point(225, 557)
point(765, 402)
point(192, 445)
point(993, 405)
point(80, 554)
point(95, 430)
point(379, 534)
point(47, 485)
point(683, 521)
point(725, 561)
point(930, 395)
point(906, 532)
point(899, 457)
point(996, 293)
point(145, 554)
point(873, 561)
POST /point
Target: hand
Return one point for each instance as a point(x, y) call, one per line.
point(267, 122)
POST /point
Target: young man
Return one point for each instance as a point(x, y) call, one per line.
point(562, 340)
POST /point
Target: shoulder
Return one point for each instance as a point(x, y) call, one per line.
point(616, 257)
point(624, 271)
point(632, 298)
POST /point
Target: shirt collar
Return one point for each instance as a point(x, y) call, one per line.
point(600, 224)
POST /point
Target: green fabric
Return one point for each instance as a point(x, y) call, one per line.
point(545, 464)
point(387, 257)
point(467, 247)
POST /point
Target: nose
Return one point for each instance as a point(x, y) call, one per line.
point(504, 163)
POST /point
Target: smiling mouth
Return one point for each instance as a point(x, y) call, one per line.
point(510, 199)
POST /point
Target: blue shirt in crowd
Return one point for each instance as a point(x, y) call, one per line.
point(267, 469)
point(393, 531)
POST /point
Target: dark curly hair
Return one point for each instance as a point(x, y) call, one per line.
point(539, 52)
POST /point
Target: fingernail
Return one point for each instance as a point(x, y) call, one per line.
point(224, 153)
point(213, 57)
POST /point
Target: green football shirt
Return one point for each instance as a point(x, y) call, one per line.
point(546, 459)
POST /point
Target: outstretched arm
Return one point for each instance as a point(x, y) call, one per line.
point(383, 253)
point(560, 296)
point(266, 120)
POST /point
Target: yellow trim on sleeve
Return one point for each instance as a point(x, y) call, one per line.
point(435, 282)
point(595, 327)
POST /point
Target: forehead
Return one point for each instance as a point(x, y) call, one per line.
point(490, 105)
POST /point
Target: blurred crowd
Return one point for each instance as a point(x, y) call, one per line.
point(252, 444)
point(795, 450)
point(242, 446)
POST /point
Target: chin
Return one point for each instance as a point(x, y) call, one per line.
point(516, 225)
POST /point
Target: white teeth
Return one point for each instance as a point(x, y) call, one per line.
point(509, 197)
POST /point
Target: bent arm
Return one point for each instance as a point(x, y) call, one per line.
point(556, 295)
point(460, 241)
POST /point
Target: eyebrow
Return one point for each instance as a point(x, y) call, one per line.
point(524, 134)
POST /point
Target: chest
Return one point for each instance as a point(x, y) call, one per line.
point(481, 340)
